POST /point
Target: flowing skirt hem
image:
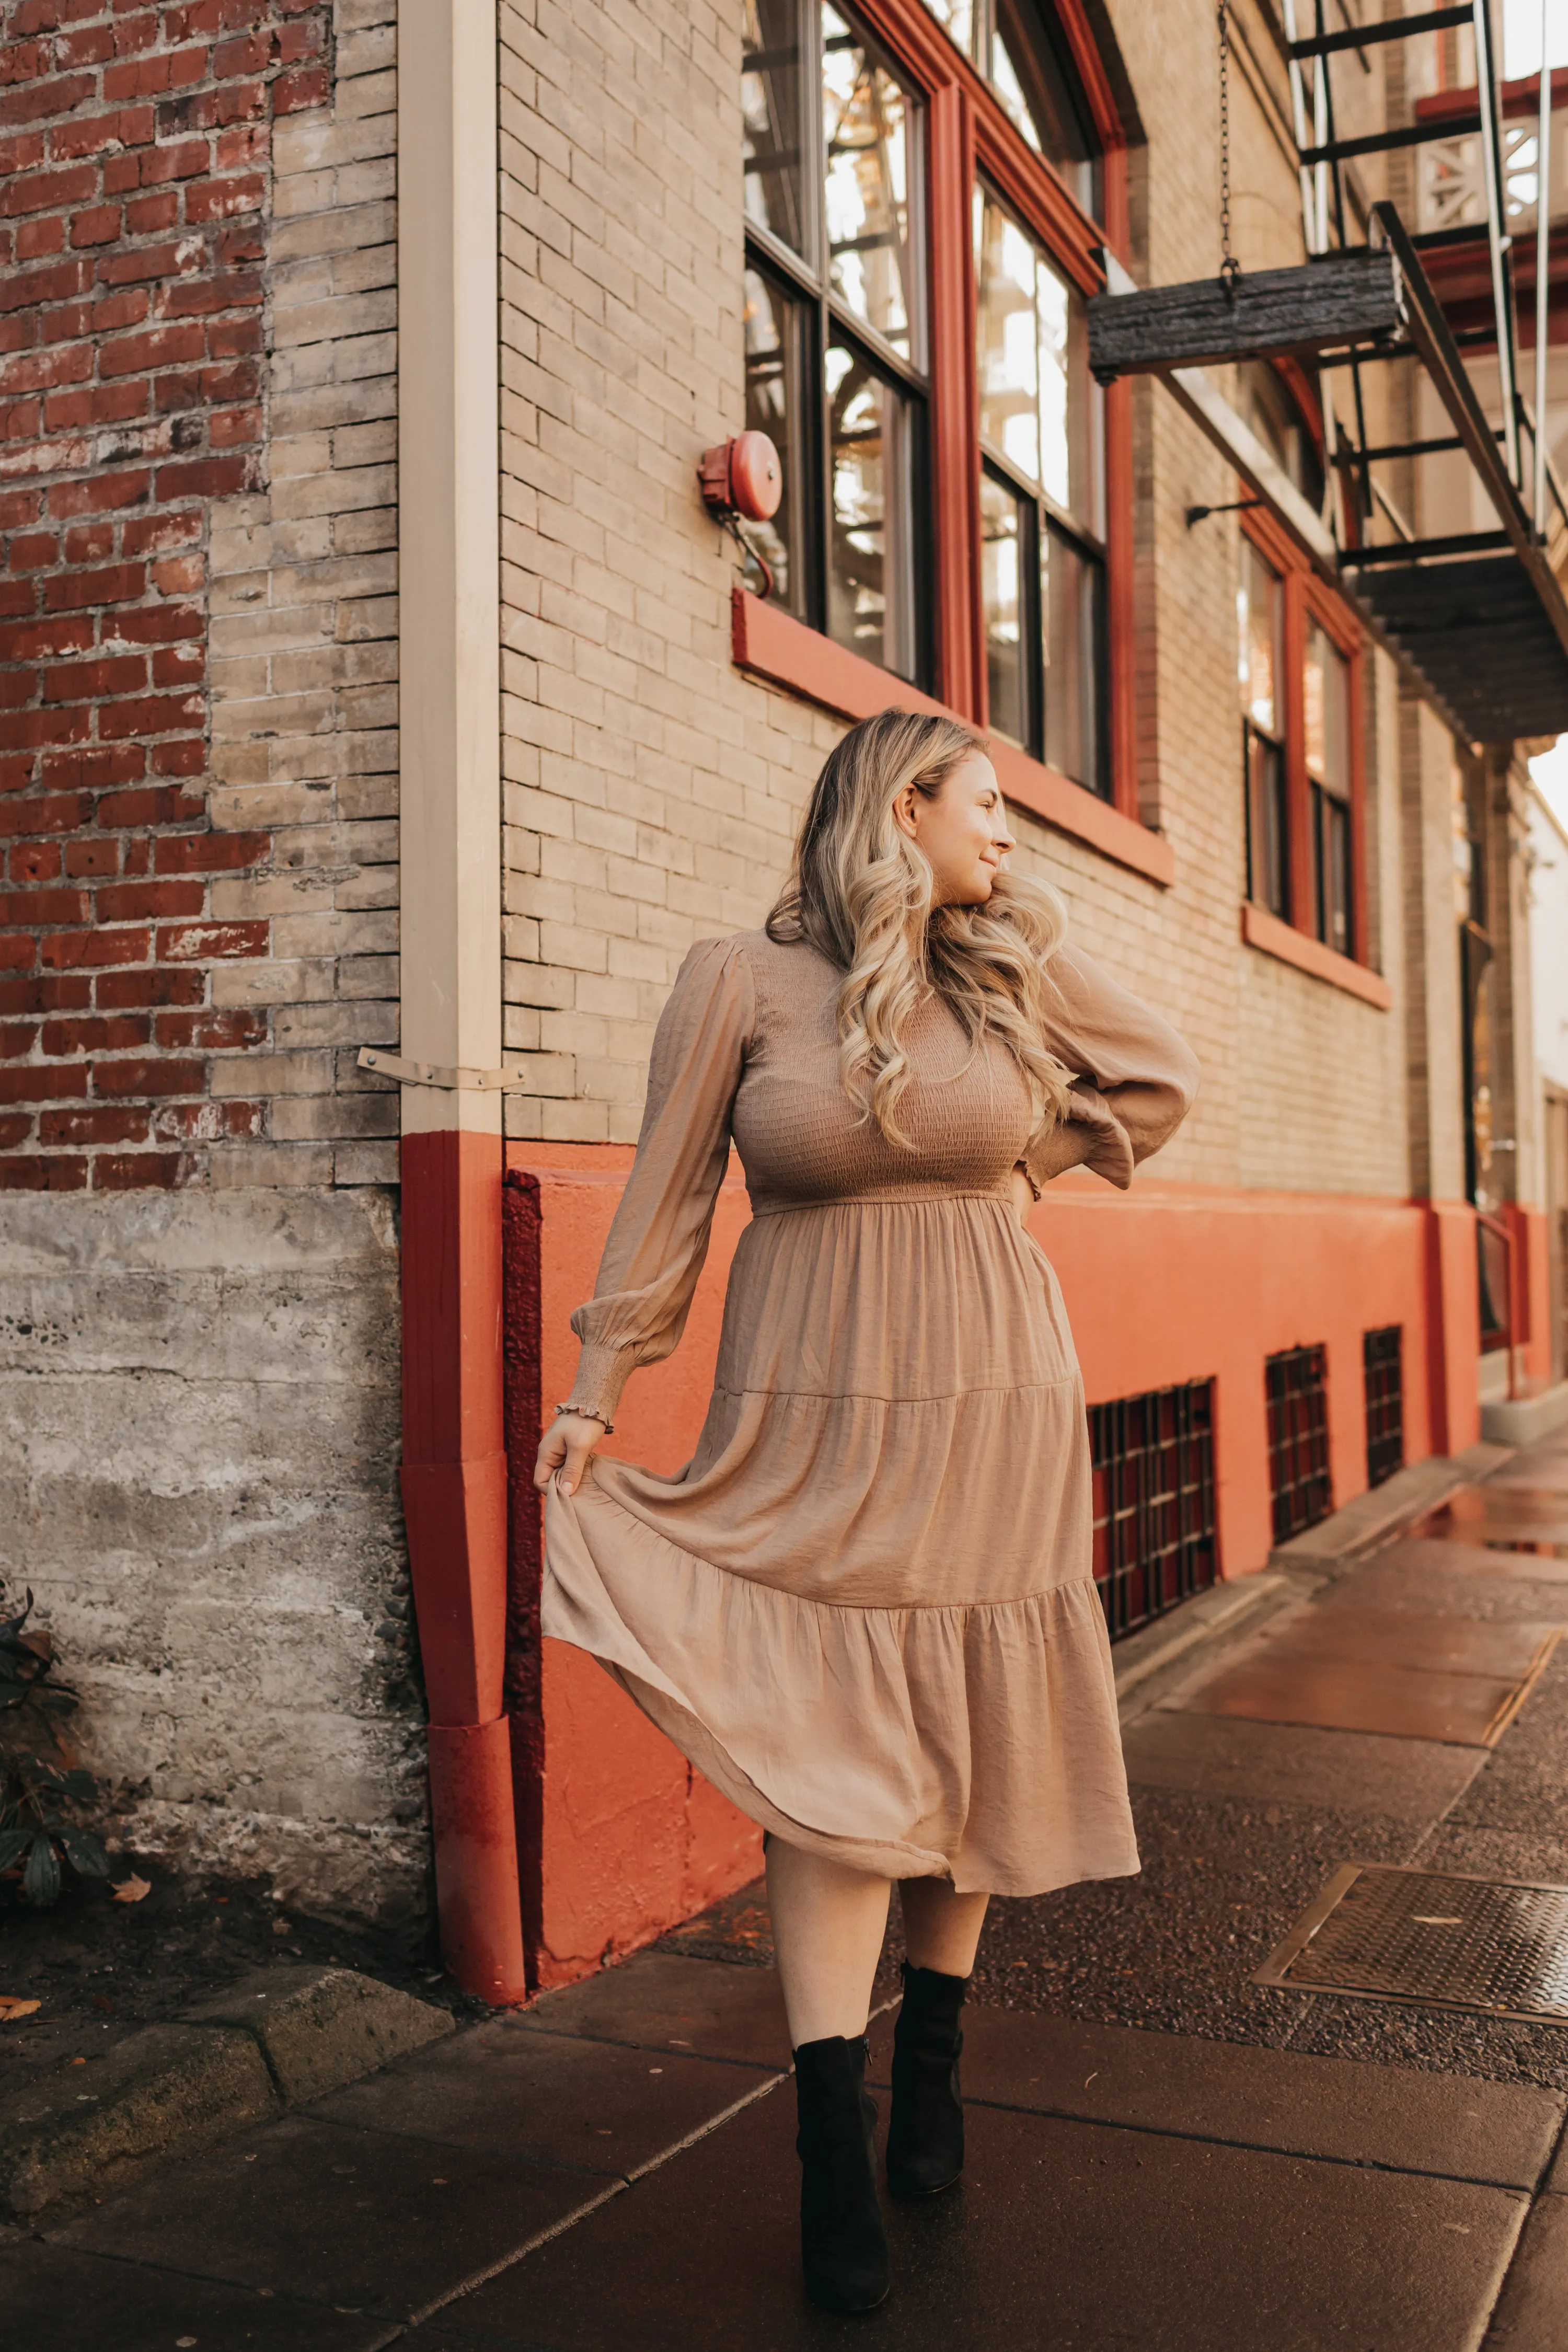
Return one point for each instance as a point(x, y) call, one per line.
point(975, 1743)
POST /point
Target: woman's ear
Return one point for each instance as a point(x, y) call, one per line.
point(904, 806)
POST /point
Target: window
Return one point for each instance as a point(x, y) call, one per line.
point(1296, 1384)
point(1299, 669)
point(1155, 1540)
point(1383, 1373)
point(1261, 673)
point(1275, 413)
point(1042, 502)
point(1326, 726)
point(836, 330)
point(1018, 48)
point(921, 249)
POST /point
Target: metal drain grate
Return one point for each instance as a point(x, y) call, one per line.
point(1496, 1946)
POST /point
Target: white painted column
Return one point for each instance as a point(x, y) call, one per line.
point(450, 554)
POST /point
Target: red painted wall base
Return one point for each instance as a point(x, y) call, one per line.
point(476, 1859)
point(455, 1505)
point(1164, 1285)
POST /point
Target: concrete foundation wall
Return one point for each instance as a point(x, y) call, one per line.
point(198, 1420)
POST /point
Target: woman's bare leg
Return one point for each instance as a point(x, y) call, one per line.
point(941, 1928)
point(828, 1924)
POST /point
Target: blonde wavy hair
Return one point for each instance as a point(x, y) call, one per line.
point(863, 894)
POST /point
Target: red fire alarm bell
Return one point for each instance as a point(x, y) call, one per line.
point(743, 477)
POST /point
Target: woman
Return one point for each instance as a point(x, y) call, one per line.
point(865, 1608)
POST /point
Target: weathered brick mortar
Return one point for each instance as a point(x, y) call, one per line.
point(198, 346)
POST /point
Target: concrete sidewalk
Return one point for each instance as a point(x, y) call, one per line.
point(1164, 2155)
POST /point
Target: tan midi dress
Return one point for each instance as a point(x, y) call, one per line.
point(865, 1608)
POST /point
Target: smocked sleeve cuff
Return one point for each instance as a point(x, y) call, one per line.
point(602, 1371)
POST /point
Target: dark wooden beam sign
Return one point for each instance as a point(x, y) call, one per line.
point(1322, 305)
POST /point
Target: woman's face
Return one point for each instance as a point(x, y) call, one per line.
point(963, 831)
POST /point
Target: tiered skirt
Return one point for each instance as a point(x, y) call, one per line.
point(865, 1608)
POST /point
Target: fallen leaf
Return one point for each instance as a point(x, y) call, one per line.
point(132, 1889)
point(78, 2062)
point(13, 2005)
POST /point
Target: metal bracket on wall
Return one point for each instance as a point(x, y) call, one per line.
point(431, 1074)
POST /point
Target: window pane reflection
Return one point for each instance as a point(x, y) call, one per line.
point(866, 122)
point(1260, 621)
point(1002, 540)
point(1038, 406)
point(770, 93)
point(1326, 725)
point(1072, 586)
point(1029, 77)
point(1326, 711)
point(776, 345)
point(1009, 354)
point(871, 573)
point(1268, 836)
point(959, 18)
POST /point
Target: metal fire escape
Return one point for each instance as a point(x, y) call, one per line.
point(1480, 617)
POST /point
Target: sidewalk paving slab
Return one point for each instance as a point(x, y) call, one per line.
point(663, 1999)
point(1067, 2234)
point(1532, 2310)
point(1456, 1579)
point(1498, 2134)
point(374, 2221)
point(1349, 1771)
point(547, 2098)
point(57, 2300)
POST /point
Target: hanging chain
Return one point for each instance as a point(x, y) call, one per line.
point(1230, 267)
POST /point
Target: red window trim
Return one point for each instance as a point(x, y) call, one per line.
point(1259, 929)
point(968, 130)
point(1306, 597)
point(771, 644)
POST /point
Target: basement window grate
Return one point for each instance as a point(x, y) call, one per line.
point(1296, 1385)
point(1436, 1938)
point(1383, 1369)
point(1154, 1502)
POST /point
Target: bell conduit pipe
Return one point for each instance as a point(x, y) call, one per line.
point(453, 1462)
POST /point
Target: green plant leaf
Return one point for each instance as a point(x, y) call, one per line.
point(84, 1853)
point(12, 1843)
point(41, 1879)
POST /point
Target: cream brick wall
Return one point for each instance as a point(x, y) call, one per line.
point(652, 790)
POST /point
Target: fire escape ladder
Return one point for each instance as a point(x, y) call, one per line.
point(1477, 617)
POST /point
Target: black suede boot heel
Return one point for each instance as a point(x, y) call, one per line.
point(842, 2246)
point(925, 2130)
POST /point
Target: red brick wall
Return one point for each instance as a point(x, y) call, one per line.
point(134, 199)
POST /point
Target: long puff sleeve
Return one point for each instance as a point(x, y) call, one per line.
point(660, 1237)
point(1134, 1079)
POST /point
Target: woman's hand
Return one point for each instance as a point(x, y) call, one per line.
point(565, 1447)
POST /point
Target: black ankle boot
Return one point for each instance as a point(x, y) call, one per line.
point(925, 2130)
point(842, 2246)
